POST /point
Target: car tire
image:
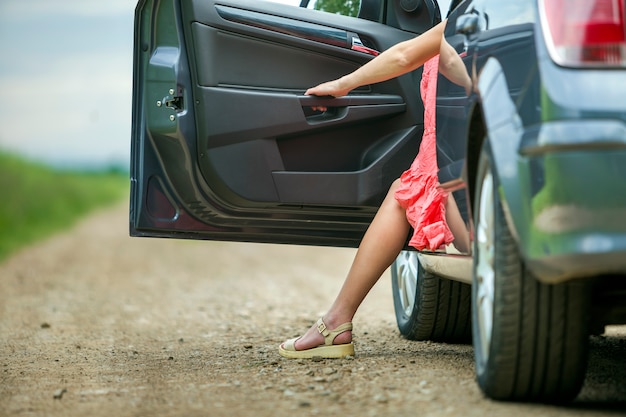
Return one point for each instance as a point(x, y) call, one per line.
point(530, 339)
point(428, 307)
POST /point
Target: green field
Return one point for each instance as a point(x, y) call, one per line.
point(38, 201)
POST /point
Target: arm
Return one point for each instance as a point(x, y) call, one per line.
point(400, 59)
point(452, 67)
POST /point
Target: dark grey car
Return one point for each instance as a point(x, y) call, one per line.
point(226, 146)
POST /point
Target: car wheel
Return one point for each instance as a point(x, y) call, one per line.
point(530, 339)
point(428, 307)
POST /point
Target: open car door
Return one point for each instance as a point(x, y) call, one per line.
point(226, 146)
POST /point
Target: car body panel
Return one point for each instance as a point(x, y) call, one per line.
point(545, 123)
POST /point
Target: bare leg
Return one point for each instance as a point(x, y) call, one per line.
point(457, 225)
point(380, 246)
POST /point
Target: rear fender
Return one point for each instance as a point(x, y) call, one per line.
point(504, 132)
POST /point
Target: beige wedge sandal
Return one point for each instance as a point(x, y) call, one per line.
point(327, 350)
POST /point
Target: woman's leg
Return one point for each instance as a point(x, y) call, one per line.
point(380, 246)
point(457, 225)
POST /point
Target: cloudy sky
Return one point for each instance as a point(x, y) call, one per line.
point(66, 80)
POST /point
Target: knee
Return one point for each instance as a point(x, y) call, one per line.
point(392, 190)
point(394, 186)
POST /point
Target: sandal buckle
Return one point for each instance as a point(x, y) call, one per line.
point(321, 327)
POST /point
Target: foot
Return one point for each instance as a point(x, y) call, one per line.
point(313, 338)
point(321, 340)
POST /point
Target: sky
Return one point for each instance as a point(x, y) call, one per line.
point(66, 80)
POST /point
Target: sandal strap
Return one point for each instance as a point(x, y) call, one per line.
point(329, 335)
point(290, 344)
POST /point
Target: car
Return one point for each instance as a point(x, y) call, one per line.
point(226, 146)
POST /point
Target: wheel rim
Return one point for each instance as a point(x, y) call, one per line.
point(485, 267)
point(407, 277)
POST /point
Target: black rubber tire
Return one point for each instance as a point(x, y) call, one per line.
point(441, 309)
point(539, 337)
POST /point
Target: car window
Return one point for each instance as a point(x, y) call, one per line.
point(505, 14)
point(348, 7)
point(291, 2)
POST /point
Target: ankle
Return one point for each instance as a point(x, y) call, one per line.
point(333, 320)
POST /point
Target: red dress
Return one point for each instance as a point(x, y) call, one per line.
point(419, 193)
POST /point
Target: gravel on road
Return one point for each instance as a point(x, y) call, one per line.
point(96, 323)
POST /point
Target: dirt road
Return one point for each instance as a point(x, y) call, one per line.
point(95, 323)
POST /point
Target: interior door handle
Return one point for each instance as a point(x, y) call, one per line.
point(352, 108)
point(357, 45)
point(350, 100)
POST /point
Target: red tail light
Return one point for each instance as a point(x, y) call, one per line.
point(585, 32)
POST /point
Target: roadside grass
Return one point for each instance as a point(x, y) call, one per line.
point(38, 201)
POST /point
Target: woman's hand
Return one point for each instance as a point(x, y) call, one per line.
point(330, 88)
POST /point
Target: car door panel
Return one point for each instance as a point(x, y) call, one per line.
point(226, 142)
